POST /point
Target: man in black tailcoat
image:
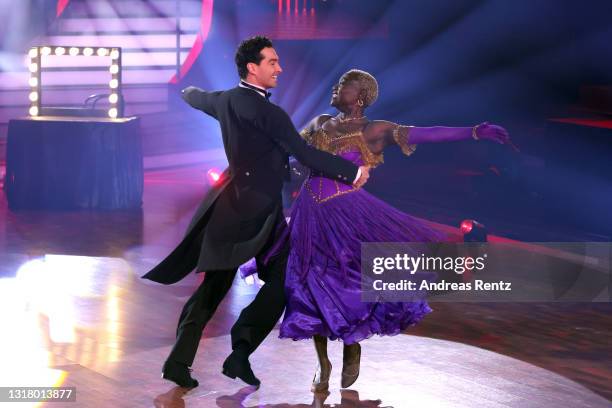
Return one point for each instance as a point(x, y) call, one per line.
point(240, 215)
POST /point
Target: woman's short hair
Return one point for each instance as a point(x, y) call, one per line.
point(367, 83)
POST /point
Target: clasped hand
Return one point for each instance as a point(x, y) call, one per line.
point(363, 177)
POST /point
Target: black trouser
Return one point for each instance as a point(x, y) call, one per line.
point(256, 320)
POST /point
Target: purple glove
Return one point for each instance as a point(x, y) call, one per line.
point(495, 133)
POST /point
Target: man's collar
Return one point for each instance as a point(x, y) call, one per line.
point(259, 90)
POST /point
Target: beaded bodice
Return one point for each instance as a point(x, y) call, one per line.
point(343, 143)
point(350, 146)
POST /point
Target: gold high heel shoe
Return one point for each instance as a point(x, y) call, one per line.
point(351, 361)
point(320, 382)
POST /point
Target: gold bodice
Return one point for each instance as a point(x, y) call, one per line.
point(342, 143)
point(354, 142)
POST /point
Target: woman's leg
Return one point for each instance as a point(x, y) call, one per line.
point(320, 382)
point(351, 360)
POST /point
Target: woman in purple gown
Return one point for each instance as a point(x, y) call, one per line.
point(330, 220)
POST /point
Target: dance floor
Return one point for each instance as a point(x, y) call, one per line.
point(74, 312)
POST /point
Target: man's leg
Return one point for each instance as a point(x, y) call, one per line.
point(197, 312)
point(257, 320)
point(195, 315)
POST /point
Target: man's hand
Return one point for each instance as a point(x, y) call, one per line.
point(185, 93)
point(363, 177)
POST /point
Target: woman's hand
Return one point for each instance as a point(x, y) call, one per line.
point(487, 131)
point(494, 133)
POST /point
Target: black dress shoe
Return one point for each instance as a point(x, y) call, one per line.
point(237, 366)
point(179, 374)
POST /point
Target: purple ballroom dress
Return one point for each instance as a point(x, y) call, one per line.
point(329, 221)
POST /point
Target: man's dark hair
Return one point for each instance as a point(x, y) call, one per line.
point(250, 51)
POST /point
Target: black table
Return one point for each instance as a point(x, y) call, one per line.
point(74, 163)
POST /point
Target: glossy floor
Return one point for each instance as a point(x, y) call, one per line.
point(75, 313)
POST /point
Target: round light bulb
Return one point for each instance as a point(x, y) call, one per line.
point(88, 52)
point(33, 96)
point(74, 51)
point(34, 111)
point(60, 51)
point(113, 98)
point(112, 112)
point(114, 69)
point(33, 52)
point(45, 51)
point(33, 82)
point(113, 83)
point(33, 67)
point(114, 54)
point(102, 52)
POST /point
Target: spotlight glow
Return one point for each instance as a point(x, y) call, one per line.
point(113, 84)
point(88, 52)
point(74, 51)
point(113, 98)
point(112, 112)
point(60, 51)
point(34, 111)
point(213, 176)
point(33, 96)
point(466, 226)
point(102, 52)
point(473, 231)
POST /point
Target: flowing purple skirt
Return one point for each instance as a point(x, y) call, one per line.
point(323, 279)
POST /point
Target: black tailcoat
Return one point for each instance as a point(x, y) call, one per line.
point(239, 214)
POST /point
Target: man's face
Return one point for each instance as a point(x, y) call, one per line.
point(266, 73)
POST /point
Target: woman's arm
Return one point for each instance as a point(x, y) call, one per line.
point(315, 124)
point(382, 133)
point(436, 134)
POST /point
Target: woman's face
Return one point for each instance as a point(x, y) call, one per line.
point(345, 93)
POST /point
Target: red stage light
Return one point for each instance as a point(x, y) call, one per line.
point(473, 231)
point(213, 176)
point(466, 226)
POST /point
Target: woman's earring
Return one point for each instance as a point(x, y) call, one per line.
point(359, 102)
